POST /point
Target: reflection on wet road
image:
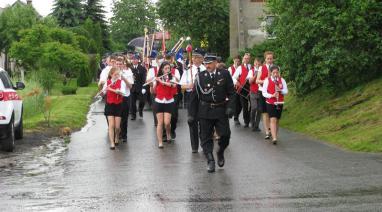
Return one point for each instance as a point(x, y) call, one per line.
point(298, 174)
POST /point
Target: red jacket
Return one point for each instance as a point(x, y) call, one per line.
point(271, 89)
point(243, 77)
point(111, 97)
point(254, 86)
point(166, 92)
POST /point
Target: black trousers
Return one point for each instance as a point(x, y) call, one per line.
point(153, 109)
point(207, 127)
point(147, 95)
point(134, 97)
point(186, 99)
point(238, 106)
point(194, 127)
point(246, 109)
point(174, 114)
point(125, 116)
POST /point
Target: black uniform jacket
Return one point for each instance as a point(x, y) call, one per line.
point(139, 78)
point(210, 99)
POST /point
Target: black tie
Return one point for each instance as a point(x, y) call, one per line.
point(213, 77)
point(198, 69)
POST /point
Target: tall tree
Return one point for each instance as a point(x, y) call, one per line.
point(68, 12)
point(12, 20)
point(93, 10)
point(206, 22)
point(130, 18)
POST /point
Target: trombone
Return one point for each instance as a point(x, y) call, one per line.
point(177, 45)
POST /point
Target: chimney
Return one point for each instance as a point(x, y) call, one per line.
point(29, 2)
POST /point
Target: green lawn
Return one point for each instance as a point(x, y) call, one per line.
point(66, 110)
point(352, 120)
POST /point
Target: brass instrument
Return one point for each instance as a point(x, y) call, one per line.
point(177, 45)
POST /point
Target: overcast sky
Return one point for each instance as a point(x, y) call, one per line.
point(44, 7)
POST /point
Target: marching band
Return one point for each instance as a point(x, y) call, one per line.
point(211, 94)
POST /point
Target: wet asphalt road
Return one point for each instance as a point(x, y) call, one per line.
point(298, 174)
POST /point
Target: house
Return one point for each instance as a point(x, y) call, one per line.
point(247, 24)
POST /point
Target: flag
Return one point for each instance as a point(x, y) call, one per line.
point(179, 55)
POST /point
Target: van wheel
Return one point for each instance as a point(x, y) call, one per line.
point(19, 134)
point(8, 143)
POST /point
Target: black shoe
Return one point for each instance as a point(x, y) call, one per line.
point(211, 166)
point(141, 114)
point(124, 140)
point(194, 151)
point(237, 122)
point(221, 160)
point(256, 129)
point(173, 135)
point(112, 147)
point(210, 163)
point(246, 125)
point(274, 142)
point(133, 118)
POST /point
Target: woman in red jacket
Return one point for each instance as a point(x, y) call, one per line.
point(274, 89)
point(165, 89)
point(114, 89)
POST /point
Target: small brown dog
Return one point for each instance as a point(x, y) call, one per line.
point(65, 132)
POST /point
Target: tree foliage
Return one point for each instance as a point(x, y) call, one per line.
point(12, 20)
point(68, 13)
point(206, 22)
point(93, 10)
point(29, 50)
point(130, 18)
point(63, 58)
point(328, 43)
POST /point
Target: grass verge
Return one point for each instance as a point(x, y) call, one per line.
point(352, 121)
point(66, 110)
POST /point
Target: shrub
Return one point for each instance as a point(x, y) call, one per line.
point(69, 90)
point(335, 44)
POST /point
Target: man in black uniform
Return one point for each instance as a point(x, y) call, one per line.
point(214, 100)
point(139, 73)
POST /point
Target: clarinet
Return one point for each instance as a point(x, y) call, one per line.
point(277, 90)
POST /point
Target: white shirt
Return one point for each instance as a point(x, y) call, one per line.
point(128, 74)
point(230, 69)
point(266, 83)
point(237, 73)
point(190, 74)
point(250, 74)
point(151, 74)
point(104, 75)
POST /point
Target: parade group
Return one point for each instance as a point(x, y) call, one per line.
point(211, 93)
